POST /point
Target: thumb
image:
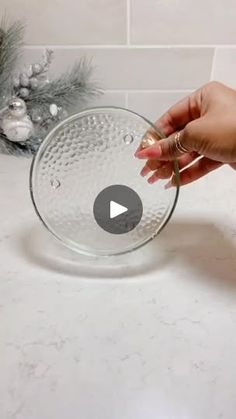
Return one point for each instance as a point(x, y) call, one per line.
point(174, 146)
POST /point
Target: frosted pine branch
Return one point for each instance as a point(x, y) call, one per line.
point(11, 39)
point(71, 89)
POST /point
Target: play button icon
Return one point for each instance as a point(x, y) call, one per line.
point(118, 209)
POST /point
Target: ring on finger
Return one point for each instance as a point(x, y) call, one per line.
point(178, 144)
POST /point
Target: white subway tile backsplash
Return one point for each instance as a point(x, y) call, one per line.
point(224, 68)
point(183, 22)
point(63, 22)
point(140, 68)
point(153, 104)
point(110, 99)
point(135, 44)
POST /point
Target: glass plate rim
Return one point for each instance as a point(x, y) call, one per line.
point(41, 148)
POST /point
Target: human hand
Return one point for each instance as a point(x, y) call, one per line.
point(201, 125)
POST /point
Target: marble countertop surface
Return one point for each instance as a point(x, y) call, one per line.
point(151, 335)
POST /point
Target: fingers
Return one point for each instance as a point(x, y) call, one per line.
point(199, 169)
point(169, 148)
point(179, 115)
point(187, 159)
point(175, 119)
point(152, 165)
point(150, 138)
point(164, 170)
point(164, 173)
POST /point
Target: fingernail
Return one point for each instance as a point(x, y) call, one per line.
point(168, 185)
point(145, 170)
point(152, 179)
point(150, 152)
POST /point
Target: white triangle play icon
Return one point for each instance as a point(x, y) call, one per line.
point(116, 209)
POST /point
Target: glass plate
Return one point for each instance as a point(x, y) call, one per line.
point(82, 156)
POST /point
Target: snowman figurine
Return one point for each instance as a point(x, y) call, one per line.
point(16, 124)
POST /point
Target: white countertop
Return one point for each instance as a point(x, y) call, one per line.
point(150, 336)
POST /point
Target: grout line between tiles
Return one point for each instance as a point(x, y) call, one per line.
point(129, 46)
point(213, 64)
point(128, 21)
point(148, 91)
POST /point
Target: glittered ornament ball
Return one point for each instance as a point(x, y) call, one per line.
point(17, 108)
point(16, 124)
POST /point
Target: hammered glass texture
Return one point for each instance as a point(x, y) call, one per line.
point(83, 155)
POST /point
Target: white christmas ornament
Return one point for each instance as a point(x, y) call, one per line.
point(16, 124)
point(53, 109)
point(17, 108)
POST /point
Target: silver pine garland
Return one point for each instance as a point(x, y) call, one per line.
point(11, 39)
point(69, 92)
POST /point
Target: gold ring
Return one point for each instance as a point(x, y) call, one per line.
point(178, 144)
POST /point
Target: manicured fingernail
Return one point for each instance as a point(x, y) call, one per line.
point(153, 179)
point(150, 152)
point(168, 185)
point(137, 151)
point(145, 170)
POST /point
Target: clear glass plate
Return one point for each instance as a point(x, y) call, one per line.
point(82, 156)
